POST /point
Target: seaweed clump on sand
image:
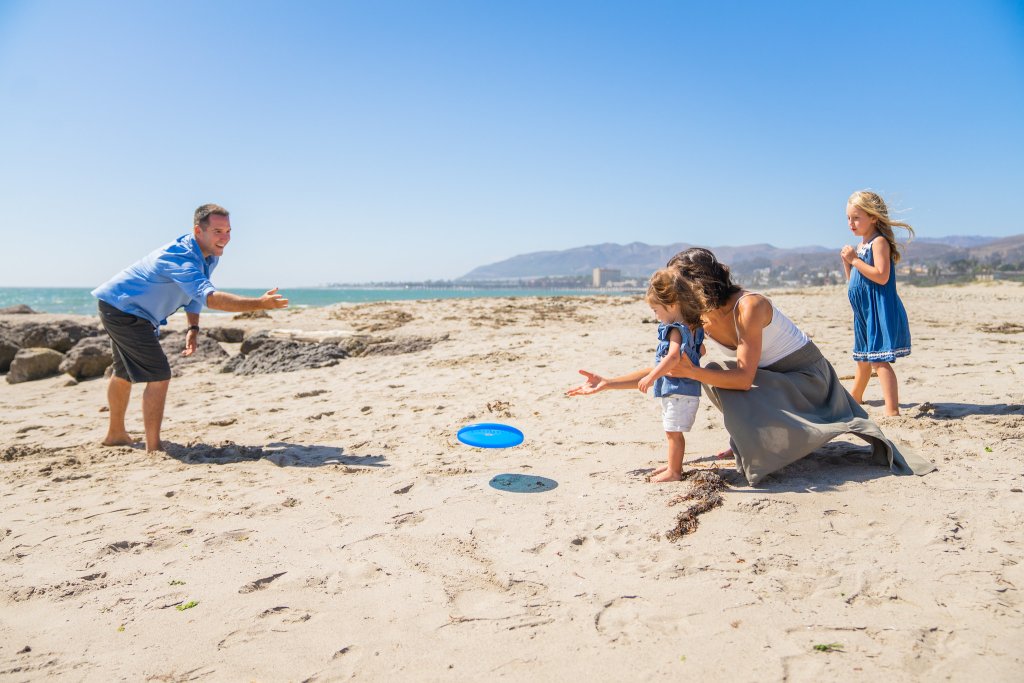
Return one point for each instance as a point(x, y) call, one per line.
point(705, 492)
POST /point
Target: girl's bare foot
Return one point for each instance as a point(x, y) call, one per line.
point(665, 475)
point(659, 470)
point(122, 439)
point(727, 453)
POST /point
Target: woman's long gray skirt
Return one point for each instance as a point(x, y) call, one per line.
point(796, 405)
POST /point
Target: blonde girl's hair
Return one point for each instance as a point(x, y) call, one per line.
point(668, 289)
point(874, 206)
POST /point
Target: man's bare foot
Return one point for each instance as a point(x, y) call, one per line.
point(665, 475)
point(727, 453)
point(123, 439)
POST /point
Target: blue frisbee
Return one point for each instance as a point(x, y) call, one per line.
point(490, 435)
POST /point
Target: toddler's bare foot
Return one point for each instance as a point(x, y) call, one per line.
point(122, 439)
point(665, 475)
point(727, 453)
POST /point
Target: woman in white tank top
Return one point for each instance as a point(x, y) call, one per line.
point(779, 397)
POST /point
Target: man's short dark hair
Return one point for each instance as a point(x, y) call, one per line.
point(203, 213)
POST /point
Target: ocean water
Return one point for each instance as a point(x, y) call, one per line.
point(78, 301)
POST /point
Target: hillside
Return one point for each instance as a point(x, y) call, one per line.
point(639, 260)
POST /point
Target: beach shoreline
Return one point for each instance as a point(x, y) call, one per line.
point(326, 524)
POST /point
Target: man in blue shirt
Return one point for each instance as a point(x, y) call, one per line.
point(137, 301)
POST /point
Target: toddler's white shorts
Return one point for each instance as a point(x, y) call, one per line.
point(678, 412)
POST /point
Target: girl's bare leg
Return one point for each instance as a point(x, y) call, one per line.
point(674, 470)
point(860, 381)
point(890, 388)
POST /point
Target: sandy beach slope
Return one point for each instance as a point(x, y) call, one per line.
point(326, 524)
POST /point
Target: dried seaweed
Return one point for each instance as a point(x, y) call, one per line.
point(705, 487)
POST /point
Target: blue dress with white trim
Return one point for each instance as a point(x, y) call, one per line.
point(881, 331)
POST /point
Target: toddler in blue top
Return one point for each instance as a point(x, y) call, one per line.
point(678, 332)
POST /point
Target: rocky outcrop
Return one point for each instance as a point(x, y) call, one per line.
point(34, 363)
point(251, 315)
point(20, 309)
point(228, 335)
point(59, 335)
point(207, 351)
point(8, 347)
point(263, 353)
point(277, 355)
point(90, 357)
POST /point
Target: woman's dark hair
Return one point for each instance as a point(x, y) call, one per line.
point(709, 278)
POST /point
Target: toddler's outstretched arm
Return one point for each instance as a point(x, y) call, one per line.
point(596, 383)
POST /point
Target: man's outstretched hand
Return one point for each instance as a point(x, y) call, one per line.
point(273, 300)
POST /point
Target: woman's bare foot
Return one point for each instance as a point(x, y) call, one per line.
point(727, 453)
point(122, 439)
point(665, 474)
point(858, 399)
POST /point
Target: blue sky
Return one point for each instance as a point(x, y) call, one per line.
point(383, 140)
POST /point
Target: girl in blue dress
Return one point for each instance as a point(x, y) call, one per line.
point(881, 331)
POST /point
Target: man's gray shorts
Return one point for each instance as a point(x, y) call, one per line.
point(138, 356)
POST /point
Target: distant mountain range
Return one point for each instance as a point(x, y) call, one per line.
point(640, 260)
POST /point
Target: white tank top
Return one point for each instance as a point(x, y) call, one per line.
point(778, 339)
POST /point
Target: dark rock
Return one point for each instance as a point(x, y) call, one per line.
point(8, 347)
point(34, 363)
point(90, 357)
point(19, 309)
point(207, 351)
point(264, 354)
point(228, 335)
point(254, 341)
point(60, 335)
point(275, 355)
point(251, 315)
point(387, 346)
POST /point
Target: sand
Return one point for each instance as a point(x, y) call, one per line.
point(327, 525)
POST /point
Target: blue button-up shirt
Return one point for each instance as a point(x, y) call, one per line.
point(173, 276)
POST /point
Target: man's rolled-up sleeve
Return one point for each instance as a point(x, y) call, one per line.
point(193, 282)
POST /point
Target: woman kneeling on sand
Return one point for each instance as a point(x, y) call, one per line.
point(780, 398)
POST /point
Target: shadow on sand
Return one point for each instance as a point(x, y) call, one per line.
point(282, 454)
point(829, 468)
point(522, 483)
point(952, 411)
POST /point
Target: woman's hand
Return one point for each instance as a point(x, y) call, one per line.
point(682, 367)
point(593, 385)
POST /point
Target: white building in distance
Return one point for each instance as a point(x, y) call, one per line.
point(604, 276)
